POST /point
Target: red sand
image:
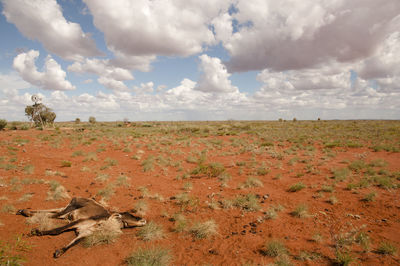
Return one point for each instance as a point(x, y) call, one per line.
point(234, 244)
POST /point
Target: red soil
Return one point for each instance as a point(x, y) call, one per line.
point(234, 244)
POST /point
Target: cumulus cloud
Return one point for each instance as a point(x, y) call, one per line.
point(52, 78)
point(110, 76)
point(112, 84)
point(43, 21)
point(144, 88)
point(288, 35)
point(12, 82)
point(101, 67)
point(159, 27)
point(214, 77)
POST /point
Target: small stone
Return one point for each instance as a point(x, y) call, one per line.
point(266, 196)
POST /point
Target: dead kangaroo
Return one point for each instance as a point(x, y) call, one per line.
point(85, 215)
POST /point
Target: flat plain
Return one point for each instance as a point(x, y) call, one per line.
point(214, 193)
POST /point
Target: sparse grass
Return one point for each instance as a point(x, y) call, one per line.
point(148, 164)
point(357, 165)
point(369, 197)
point(66, 163)
point(273, 248)
point(317, 238)
point(333, 200)
point(144, 190)
point(247, 202)
point(186, 200)
point(363, 240)
point(57, 193)
point(387, 248)
point(107, 192)
point(205, 229)
point(151, 231)
point(29, 169)
point(271, 214)
point(180, 223)
point(209, 170)
point(122, 180)
point(301, 211)
point(252, 182)
point(43, 220)
point(296, 187)
point(343, 258)
point(327, 188)
point(106, 233)
point(341, 174)
point(91, 156)
point(188, 186)
point(141, 207)
point(10, 251)
point(155, 256)
point(77, 153)
point(8, 208)
point(102, 177)
point(25, 197)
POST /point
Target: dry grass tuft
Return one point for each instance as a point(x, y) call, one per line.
point(43, 220)
point(204, 230)
point(106, 233)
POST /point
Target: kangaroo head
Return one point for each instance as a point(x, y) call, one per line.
point(130, 220)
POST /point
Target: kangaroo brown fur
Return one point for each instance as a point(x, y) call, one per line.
point(84, 216)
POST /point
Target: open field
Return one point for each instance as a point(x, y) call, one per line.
point(216, 193)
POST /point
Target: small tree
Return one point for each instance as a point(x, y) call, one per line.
point(40, 114)
point(77, 120)
point(3, 124)
point(92, 119)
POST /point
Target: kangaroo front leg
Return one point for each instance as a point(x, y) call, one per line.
point(55, 231)
point(78, 239)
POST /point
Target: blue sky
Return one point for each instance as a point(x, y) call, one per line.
point(201, 60)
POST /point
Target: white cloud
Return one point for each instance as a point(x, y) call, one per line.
point(223, 27)
point(144, 88)
point(214, 77)
point(102, 68)
point(112, 84)
point(307, 79)
point(44, 21)
point(159, 27)
point(287, 35)
point(52, 78)
point(12, 82)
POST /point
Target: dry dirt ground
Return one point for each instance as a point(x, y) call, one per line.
point(242, 181)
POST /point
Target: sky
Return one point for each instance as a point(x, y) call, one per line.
point(172, 60)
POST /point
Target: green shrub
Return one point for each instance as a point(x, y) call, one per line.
point(151, 231)
point(387, 248)
point(3, 124)
point(274, 248)
point(155, 256)
point(204, 230)
point(296, 187)
point(300, 211)
point(248, 202)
